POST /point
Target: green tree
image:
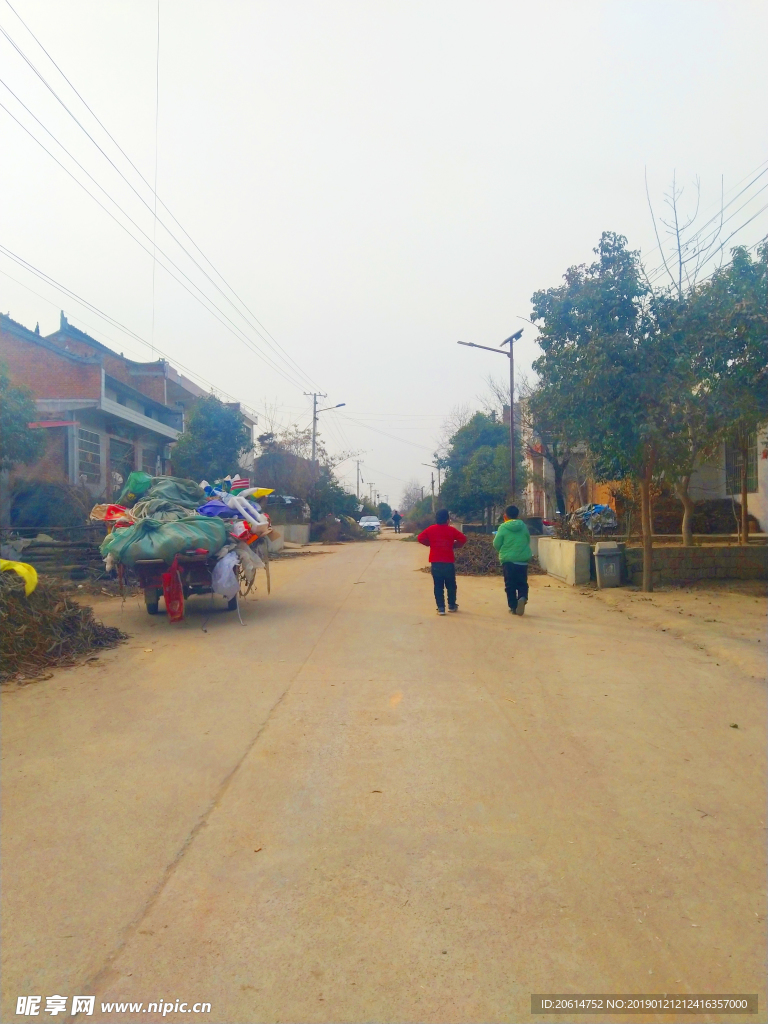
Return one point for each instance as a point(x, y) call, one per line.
point(19, 444)
point(328, 497)
point(214, 439)
point(604, 369)
point(384, 511)
point(477, 462)
point(732, 311)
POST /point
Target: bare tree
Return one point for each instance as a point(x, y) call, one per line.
point(458, 417)
point(686, 247)
point(411, 495)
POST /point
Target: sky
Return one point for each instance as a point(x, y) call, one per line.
point(373, 181)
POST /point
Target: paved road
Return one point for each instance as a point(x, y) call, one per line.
point(351, 809)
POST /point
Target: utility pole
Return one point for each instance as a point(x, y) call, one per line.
point(315, 413)
point(434, 465)
point(358, 479)
point(511, 356)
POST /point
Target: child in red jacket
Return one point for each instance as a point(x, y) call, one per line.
point(441, 539)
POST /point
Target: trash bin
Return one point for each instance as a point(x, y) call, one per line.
point(608, 564)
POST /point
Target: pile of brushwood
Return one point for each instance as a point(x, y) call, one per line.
point(479, 558)
point(47, 628)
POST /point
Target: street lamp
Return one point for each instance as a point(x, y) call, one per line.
point(511, 356)
point(315, 413)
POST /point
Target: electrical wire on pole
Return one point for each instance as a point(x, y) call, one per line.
point(291, 364)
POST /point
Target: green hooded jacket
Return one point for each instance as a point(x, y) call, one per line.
point(513, 542)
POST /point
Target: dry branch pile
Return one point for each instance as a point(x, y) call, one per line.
point(47, 628)
point(478, 558)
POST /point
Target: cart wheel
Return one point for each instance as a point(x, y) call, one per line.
point(151, 599)
point(232, 605)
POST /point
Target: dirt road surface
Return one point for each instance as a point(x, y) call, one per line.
point(352, 809)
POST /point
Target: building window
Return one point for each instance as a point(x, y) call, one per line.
point(89, 455)
point(149, 457)
point(734, 463)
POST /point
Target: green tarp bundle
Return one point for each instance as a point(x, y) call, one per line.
point(149, 538)
point(177, 490)
point(159, 508)
point(170, 488)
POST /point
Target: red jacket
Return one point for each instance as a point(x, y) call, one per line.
point(441, 539)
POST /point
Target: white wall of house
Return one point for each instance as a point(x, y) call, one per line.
point(709, 480)
point(757, 502)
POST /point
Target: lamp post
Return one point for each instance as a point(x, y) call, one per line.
point(430, 466)
point(315, 413)
point(511, 356)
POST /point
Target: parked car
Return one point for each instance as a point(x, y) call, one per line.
point(371, 524)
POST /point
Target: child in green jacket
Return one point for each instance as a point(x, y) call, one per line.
point(513, 542)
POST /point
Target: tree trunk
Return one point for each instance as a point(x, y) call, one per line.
point(580, 486)
point(645, 516)
point(744, 538)
point(559, 494)
point(681, 490)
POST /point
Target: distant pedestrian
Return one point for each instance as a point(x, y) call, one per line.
point(397, 519)
point(442, 539)
point(513, 542)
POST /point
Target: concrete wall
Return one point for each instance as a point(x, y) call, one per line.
point(276, 539)
point(708, 477)
point(296, 533)
point(680, 565)
point(566, 560)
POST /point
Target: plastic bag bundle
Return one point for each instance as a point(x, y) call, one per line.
point(223, 578)
point(249, 562)
point(136, 485)
point(27, 572)
point(111, 513)
point(173, 592)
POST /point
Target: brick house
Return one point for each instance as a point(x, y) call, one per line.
point(104, 415)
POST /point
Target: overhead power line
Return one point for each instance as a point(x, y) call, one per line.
point(700, 230)
point(256, 326)
point(106, 317)
point(202, 298)
point(402, 440)
point(758, 171)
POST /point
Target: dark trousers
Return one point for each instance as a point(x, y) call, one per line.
point(515, 582)
point(444, 575)
point(397, 526)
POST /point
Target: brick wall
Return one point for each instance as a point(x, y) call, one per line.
point(148, 378)
point(677, 564)
point(46, 373)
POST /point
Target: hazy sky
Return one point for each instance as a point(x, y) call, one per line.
point(375, 180)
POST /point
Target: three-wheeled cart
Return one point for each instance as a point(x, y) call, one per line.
point(194, 571)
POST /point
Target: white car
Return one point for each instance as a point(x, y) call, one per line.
point(371, 524)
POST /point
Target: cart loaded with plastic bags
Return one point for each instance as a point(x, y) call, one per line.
point(181, 538)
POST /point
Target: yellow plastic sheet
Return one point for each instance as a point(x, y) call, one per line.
point(27, 572)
